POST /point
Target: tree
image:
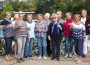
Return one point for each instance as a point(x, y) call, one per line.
point(24, 6)
point(32, 5)
point(87, 6)
point(51, 6)
point(7, 8)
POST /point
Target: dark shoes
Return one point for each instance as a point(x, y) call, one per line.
point(28, 56)
point(52, 58)
point(25, 56)
point(20, 60)
point(58, 59)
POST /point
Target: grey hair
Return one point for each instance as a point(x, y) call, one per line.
point(47, 15)
point(84, 10)
point(59, 12)
point(69, 13)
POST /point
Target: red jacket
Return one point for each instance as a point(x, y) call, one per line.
point(68, 31)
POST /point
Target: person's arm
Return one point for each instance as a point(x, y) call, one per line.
point(83, 27)
point(87, 23)
point(5, 27)
point(72, 26)
point(45, 29)
point(36, 27)
point(17, 26)
point(49, 31)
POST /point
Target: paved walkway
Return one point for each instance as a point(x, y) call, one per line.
point(36, 61)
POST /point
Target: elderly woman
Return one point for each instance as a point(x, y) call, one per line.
point(21, 34)
point(78, 35)
point(40, 32)
point(54, 35)
point(68, 35)
point(8, 34)
point(14, 44)
point(59, 14)
point(31, 36)
point(86, 21)
point(47, 16)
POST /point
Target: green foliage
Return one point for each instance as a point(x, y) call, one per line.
point(87, 6)
point(32, 5)
point(24, 6)
point(43, 6)
point(7, 8)
point(74, 6)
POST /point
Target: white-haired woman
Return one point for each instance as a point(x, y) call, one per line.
point(68, 35)
point(21, 34)
point(47, 19)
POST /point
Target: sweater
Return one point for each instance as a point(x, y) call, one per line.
point(8, 31)
point(21, 29)
point(67, 30)
point(43, 26)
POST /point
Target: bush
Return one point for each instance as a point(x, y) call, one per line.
point(7, 8)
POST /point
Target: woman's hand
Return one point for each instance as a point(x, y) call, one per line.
point(59, 26)
point(88, 24)
point(40, 30)
point(49, 38)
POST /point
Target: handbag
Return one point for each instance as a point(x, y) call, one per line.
point(1, 33)
point(88, 37)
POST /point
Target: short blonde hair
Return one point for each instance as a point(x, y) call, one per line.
point(69, 13)
point(29, 15)
point(16, 15)
point(77, 15)
point(84, 10)
point(60, 12)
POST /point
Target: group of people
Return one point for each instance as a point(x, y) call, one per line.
point(49, 32)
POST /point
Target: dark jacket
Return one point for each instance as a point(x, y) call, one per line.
point(8, 31)
point(54, 31)
point(87, 27)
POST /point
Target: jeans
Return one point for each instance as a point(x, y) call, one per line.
point(86, 45)
point(21, 45)
point(55, 45)
point(8, 45)
point(41, 42)
point(79, 46)
point(28, 47)
point(68, 45)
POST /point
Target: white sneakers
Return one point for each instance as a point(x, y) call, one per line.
point(70, 55)
point(44, 57)
point(66, 55)
point(40, 57)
